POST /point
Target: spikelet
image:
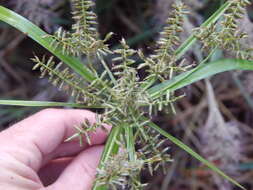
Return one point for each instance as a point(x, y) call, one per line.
point(63, 40)
point(152, 150)
point(161, 64)
point(85, 29)
point(226, 34)
point(83, 33)
point(86, 128)
point(120, 173)
point(127, 87)
point(84, 38)
point(208, 37)
point(65, 80)
point(85, 20)
point(231, 35)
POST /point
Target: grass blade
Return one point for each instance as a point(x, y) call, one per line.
point(200, 72)
point(43, 104)
point(34, 32)
point(194, 154)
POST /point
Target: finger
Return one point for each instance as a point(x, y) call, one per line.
point(80, 173)
point(50, 173)
point(37, 138)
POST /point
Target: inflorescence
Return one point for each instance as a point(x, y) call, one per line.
point(121, 91)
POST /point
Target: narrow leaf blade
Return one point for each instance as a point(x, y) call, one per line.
point(194, 154)
point(200, 72)
point(38, 35)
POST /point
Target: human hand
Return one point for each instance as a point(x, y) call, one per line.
point(34, 156)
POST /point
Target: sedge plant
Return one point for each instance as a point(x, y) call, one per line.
point(126, 100)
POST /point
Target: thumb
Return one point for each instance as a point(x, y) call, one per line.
point(81, 172)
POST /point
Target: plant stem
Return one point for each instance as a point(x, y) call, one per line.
point(111, 148)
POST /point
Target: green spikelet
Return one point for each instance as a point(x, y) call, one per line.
point(86, 128)
point(128, 85)
point(226, 34)
point(161, 64)
point(85, 28)
point(121, 173)
point(231, 35)
point(84, 38)
point(65, 80)
point(63, 40)
point(85, 20)
point(152, 151)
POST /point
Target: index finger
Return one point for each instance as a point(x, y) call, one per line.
point(40, 135)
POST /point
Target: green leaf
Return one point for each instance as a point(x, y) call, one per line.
point(38, 35)
point(211, 20)
point(200, 72)
point(194, 154)
point(43, 104)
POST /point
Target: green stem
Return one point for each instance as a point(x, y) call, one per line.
point(130, 142)
point(111, 148)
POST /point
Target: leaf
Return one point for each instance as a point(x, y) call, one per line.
point(211, 20)
point(194, 154)
point(38, 35)
point(200, 72)
point(43, 104)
